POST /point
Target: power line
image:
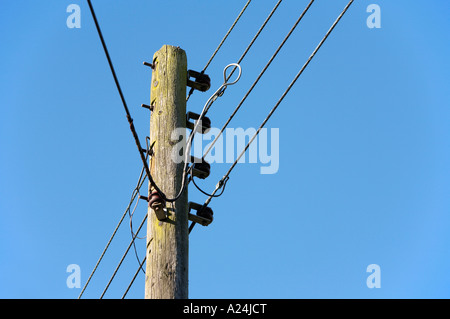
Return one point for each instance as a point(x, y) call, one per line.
point(226, 36)
point(205, 193)
point(258, 78)
point(134, 194)
point(134, 277)
point(136, 138)
point(249, 91)
point(226, 176)
point(256, 36)
point(221, 43)
point(290, 86)
point(137, 189)
point(123, 257)
point(109, 242)
point(128, 115)
point(222, 182)
point(132, 233)
point(252, 41)
point(229, 76)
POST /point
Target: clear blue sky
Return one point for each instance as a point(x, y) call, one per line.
point(364, 148)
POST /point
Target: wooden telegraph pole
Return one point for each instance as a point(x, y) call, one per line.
point(167, 236)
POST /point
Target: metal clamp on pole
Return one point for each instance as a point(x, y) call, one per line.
point(204, 215)
point(205, 124)
point(202, 81)
point(200, 168)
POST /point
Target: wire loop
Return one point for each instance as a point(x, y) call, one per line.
point(225, 78)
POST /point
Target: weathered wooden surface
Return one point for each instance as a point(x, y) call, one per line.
point(167, 241)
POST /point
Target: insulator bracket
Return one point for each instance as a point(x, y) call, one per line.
point(158, 204)
point(200, 167)
point(205, 124)
point(204, 215)
point(201, 83)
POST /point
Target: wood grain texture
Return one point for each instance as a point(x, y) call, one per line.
point(167, 241)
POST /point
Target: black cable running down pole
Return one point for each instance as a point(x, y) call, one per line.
point(127, 111)
point(109, 58)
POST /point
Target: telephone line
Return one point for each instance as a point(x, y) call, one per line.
point(226, 176)
point(134, 277)
point(258, 78)
point(134, 194)
point(123, 257)
point(253, 40)
point(256, 36)
point(221, 43)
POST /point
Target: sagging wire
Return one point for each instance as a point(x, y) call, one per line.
point(218, 93)
point(124, 255)
point(134, 194)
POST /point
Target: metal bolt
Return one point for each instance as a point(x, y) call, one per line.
point(150, 107)
point(149, 64)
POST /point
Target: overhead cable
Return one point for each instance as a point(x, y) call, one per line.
point(226, 176)
point(221, 43)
